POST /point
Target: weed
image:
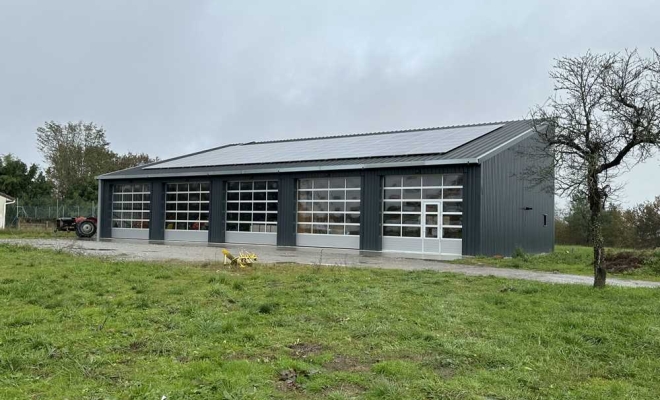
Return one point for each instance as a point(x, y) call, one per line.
point(219, 279)
point(218, 291)
point(520, 254)
point(267, 308)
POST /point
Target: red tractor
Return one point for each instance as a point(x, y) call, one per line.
point(85, 227)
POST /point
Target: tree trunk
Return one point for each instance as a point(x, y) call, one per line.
point(596, 200)
point(600, 273)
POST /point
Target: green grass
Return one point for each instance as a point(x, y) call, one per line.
point(85, 328)
point(13, 233)
point(568, 260)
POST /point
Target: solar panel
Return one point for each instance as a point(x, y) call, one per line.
point(438, 141)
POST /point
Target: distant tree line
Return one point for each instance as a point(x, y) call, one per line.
point(74, 153)
point(636, 228)
point(17, 179)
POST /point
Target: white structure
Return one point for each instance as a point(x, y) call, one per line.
point(4, 200)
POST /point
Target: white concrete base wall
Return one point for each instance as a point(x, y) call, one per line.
point(3, 207)
point(186, 236)
point(402, 244)
point(335, 241)
point(126, 233)
point(425, 246)
point(251, 237)
point(451, 246)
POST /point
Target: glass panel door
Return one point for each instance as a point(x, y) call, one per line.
point(431, 227)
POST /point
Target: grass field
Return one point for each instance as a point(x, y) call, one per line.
point(84, 328)
point(570, 260)
point(35, 233)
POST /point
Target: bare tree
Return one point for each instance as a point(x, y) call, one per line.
point(603, 119)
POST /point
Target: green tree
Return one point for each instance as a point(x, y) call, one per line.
point(17, 179)
point(617, 229)
point(618, 225)
point(578, 221)
point(130, 160)
point(562, 231)
point(647, 224)
point(76, 153)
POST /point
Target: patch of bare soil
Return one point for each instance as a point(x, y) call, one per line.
point(288, 380)
point(346, 389)
point(345, 363)
point(304, 350)
point(623, 261)
point(137, 345)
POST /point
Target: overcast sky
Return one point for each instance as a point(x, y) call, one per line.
point(171, 77)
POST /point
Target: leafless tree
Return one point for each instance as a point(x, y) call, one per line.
point(603, 119)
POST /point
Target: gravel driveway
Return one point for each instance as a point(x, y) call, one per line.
point(134, 250)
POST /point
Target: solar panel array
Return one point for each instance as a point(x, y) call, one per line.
point(436, 141)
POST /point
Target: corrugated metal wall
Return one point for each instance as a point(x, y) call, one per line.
point(106, 210)
point(157, 223)
point(217, 211)
point(512, 209)
point(370, 211)
point(286, 211)
point(472, 210)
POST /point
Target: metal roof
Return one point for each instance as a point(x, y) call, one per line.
point(494, 137)
point(429, 141)
point(6, 196)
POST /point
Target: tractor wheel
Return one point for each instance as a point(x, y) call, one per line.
point(86, 229)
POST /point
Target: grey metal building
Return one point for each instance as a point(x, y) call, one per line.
point(451, 191)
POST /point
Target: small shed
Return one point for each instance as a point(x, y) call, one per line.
point(4, 201)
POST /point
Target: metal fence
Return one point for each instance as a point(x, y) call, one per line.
point(25, 212)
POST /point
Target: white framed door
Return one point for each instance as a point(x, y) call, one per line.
point(431, 229)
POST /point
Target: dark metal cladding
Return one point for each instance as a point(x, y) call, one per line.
point(286, 211)
point(217, 213)
point(370, 211)
point(512, 208)
point(157, 211)
point(472, 210)
point(106, 210)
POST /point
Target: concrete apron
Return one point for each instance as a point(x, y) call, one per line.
point(141, 250)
